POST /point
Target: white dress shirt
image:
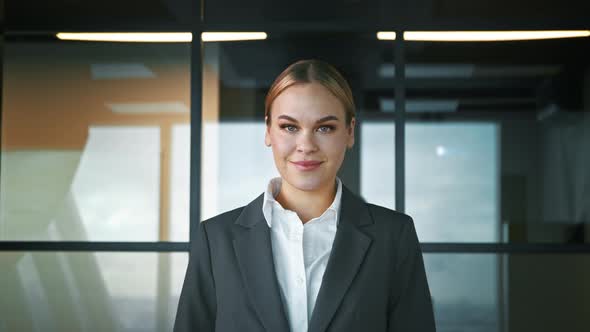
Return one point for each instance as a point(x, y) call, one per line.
point(300, 252)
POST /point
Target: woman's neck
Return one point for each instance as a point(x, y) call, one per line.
point(306, 204)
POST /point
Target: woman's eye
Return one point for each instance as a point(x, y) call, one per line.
point(326, 129)
point(288, 128)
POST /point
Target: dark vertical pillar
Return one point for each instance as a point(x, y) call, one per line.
point(400, 122)
point(2, 32)
point(350, 172)
point(196, 80)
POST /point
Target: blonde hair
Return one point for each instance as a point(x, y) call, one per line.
point(309, 71)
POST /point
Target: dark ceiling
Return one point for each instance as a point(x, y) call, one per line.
point(509, 75)
point(43, 15)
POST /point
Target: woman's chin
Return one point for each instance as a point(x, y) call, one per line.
point(306, 183)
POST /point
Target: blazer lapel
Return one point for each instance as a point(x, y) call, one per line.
point(348, 252)
point(254, 254)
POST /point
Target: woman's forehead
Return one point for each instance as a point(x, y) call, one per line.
point(307, 102)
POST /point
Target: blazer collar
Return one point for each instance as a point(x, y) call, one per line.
point(352, 204)
point(254, 254)
point(348, 252)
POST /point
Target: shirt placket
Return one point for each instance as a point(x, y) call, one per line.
point(299, 287)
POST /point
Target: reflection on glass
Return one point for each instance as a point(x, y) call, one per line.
point(115, 188)
point(465, 291)
point(235, 171)
point(87, 141)
point(89, 291)
point(537, 95)
point(180, 183)
point(566, 172)
point(451, 176)
point(516, 292)
point(378, 163)
point(108, 193)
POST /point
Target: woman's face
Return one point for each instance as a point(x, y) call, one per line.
point(308, 124)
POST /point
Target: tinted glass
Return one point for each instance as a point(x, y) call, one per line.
point(92, 141)
point(48, 291)
point(497, 140)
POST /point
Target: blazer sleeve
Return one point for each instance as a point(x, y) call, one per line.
point(197, 304)
point(412, 309)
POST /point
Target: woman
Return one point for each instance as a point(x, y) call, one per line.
point(308, 254)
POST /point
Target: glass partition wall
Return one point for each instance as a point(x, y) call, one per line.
point(113, 151)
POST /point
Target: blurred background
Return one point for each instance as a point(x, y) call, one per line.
point(111, 151)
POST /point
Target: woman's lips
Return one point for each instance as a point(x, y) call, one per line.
point(307, 165)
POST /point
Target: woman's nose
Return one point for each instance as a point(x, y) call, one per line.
point(306, 142)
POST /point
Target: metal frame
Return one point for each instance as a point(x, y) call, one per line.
point(93, 246)
point(400, 122)
point(427, 247)
point(196, 157)
point(196, 133)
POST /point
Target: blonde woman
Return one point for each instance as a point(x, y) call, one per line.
point(307, 254)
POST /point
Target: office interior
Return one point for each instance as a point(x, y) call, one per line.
point(112, 151)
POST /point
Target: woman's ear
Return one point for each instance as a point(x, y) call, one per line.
point(267, 140)
point(350, 143)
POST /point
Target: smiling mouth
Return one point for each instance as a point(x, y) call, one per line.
point(307, 163)
point(307, 166)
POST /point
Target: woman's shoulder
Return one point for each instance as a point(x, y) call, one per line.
point(392, 223)
point(223, 219)
point(381, 214)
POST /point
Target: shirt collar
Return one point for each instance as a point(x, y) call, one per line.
point(273, 189)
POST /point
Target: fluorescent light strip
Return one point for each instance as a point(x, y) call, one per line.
point(161, 37)
point(232, 36)
point(386, 35)
point(481, 36)
point(152, 37)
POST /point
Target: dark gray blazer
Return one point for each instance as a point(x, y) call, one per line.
point(374, 280)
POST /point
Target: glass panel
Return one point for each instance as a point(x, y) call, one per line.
point(236, 165)
point(47, 291)
point(180, 183)
point(123, 164)
point(99, 291)
point(465, 290)
point(92, 156)
point(517, 292)
point(448, 165)
point(548, 292)
point(232, 178)
point(497, 136)
point(378, 163)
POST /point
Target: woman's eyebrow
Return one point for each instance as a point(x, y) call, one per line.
point(327, 118)
point(286, 117)
point(324, 119)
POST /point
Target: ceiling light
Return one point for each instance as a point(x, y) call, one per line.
point(160, 37)
point(480, 36)
point(386, 35)
point(231, 36)
point(151, 37)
